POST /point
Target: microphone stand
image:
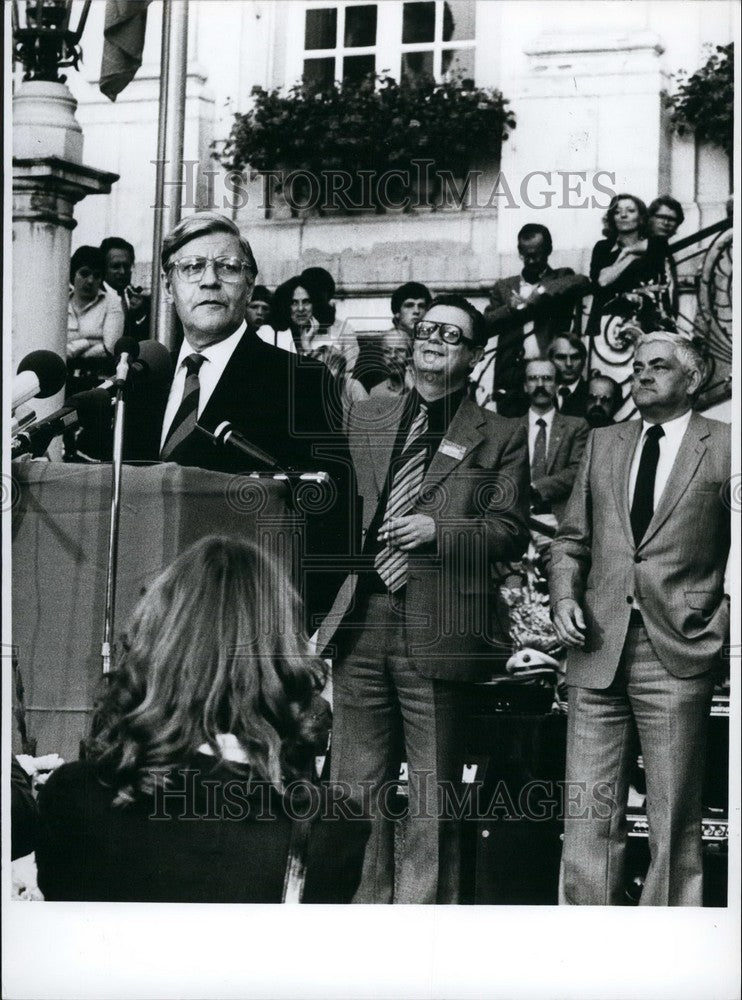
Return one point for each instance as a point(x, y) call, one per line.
point(122, 370)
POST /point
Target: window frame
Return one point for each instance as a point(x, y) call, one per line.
point(388, 49)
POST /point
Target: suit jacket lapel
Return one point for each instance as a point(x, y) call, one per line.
point(687, 460)
point(379, 439)
point(463, 434)
point(622, 455)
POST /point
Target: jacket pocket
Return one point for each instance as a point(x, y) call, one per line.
point(705, 601)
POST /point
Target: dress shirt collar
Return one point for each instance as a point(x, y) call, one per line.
point(218, 354)
point(674, 429)
point(548, 417)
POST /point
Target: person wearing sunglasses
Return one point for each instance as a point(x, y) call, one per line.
point(444, 485)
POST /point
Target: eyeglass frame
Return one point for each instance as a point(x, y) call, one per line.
point(214, 261)
point(439, 328)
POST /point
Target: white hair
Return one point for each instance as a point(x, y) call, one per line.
point(686, 352)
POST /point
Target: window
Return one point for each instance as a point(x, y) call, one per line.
point(438, 39)
point(339, 43)
point(409, 40)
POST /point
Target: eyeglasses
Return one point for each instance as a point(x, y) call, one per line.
point(448, 332)
point(227, 269)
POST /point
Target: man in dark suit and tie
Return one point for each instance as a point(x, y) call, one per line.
point(119, 262)
point(555, 442)
point(637, 591)
point(569, 355)
point(444, 485)
point(289, 407)
point(525, 313)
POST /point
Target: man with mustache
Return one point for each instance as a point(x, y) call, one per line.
point(555, 442)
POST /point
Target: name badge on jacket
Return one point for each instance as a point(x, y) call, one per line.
point(452, 449)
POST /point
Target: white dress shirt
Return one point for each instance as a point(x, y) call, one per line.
point(216, 358)
point(669, 446)
point(533, 429)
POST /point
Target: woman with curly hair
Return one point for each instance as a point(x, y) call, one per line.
point(197, 780)
point(625, 259)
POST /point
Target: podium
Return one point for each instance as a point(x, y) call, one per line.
point(60, 530)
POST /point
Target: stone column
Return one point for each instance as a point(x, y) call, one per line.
point(48, 180)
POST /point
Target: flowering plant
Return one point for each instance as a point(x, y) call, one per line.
point(378, 125)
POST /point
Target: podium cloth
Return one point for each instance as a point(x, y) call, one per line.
point(60, 530)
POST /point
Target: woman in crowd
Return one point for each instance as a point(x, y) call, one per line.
point(625, 259)
point(95, 321)
point(197, 783)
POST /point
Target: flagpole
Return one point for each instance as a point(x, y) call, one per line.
point(169, 168)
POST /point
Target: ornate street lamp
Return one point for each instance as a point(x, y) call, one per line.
point(44, 39)
point(49, 177)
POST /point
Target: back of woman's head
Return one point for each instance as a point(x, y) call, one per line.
point(213, 647)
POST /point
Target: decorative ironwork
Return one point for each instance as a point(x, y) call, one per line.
point(43, 40)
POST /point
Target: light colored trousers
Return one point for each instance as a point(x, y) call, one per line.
point(671, 715)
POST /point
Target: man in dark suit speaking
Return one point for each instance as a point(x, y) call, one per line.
point(444, 485)
point(637, 591)
point(287, 406)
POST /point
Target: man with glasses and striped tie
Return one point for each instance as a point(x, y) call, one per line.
point(444, 485)
point(287, 407)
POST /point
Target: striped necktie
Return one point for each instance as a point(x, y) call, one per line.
point(392, 564)
point(184, 420)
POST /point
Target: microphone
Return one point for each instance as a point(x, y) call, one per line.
point(226, 433)
point(81, 410)
point(126, 350)
point(41, 374)
point(154, 363)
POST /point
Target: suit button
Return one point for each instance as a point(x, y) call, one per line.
point(629, 600)
point(638, 559)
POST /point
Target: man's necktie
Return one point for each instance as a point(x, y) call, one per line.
point(563, 396)
point(392, 564)
point(184, 420)
point(642, 506)
point(538, 458)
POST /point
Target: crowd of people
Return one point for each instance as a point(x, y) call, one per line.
point(449, 457)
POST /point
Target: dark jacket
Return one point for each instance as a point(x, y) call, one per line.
point(221, 842)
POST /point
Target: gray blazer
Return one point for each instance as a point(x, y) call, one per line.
point(566, 444)
point(476, 490)
point(676, 574)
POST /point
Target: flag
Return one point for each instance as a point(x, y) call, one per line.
point(123, 34)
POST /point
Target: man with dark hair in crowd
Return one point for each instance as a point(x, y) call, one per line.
point(569, 355)
point(526, 311)
point(259, 308)
point(444, 485)
point(555, 442)
point(119, 262)
point(604, 399)
point(409, 302)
